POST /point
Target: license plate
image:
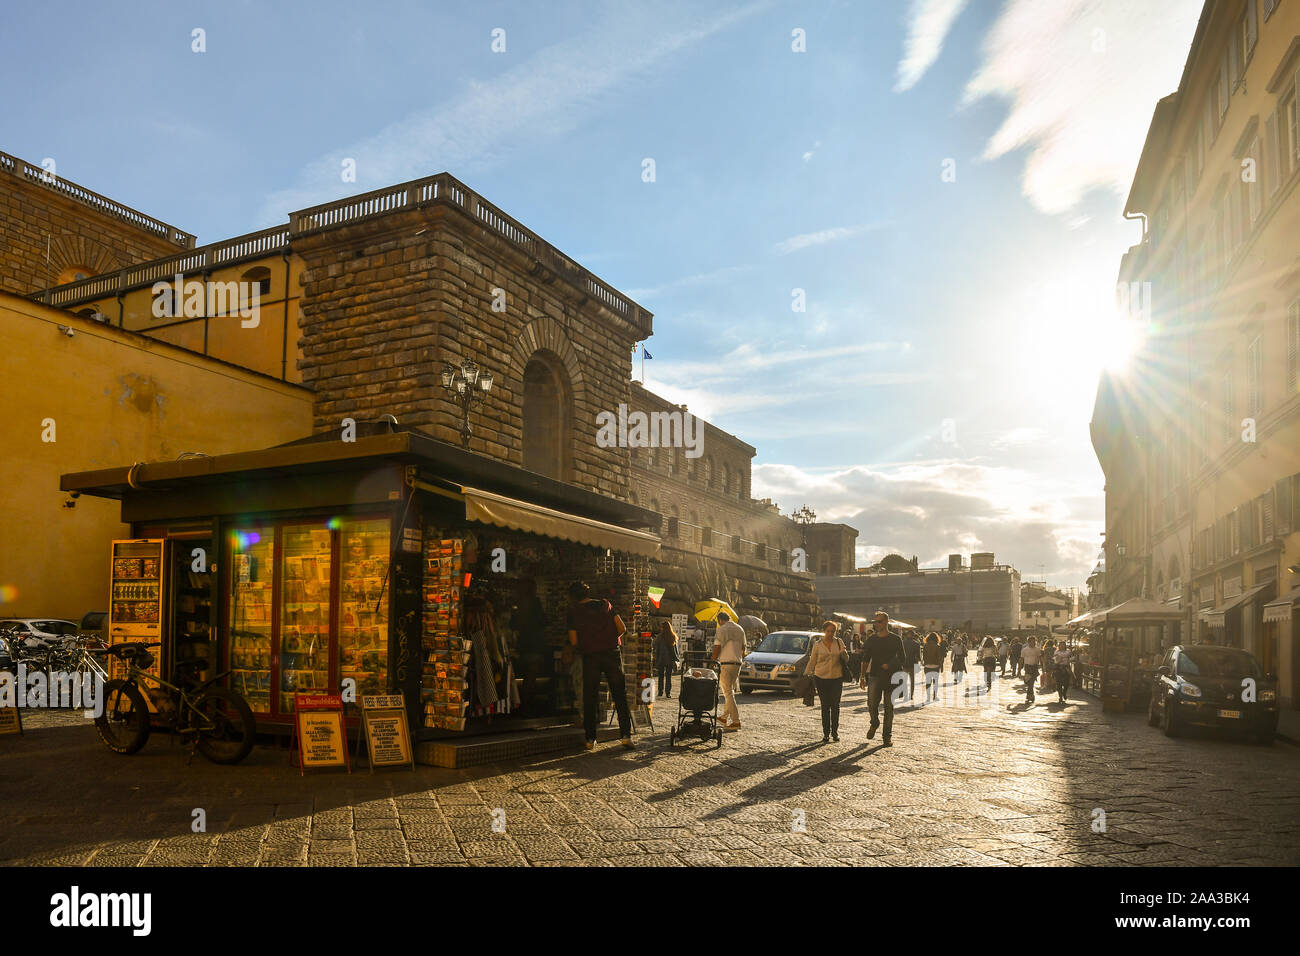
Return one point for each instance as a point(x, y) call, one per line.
point(1230, 713)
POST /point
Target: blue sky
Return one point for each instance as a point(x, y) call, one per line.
point(935, 393)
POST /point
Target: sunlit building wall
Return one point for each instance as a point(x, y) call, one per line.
point(1199, 437)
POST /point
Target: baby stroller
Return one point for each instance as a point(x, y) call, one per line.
point(697, 706)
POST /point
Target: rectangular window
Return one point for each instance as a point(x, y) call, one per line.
point(1226, 79)
point(1254, 362)
point(1252, 204)
point(1282, 491)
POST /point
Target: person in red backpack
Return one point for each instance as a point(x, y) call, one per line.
point(597, 632)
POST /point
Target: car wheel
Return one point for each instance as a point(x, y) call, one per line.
point(1153, 719)
point(1169, 722)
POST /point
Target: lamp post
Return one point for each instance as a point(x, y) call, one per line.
point(805, 516)
point(468, 386)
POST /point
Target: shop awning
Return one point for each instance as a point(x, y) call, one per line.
point(1216, 617)
point(1082, 619)
point(1280, 609)
point(518, 515)
point(1134, 612)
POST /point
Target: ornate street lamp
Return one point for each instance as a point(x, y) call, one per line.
point(805, 516)
point(468, 386)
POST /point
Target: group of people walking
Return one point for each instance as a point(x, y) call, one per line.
point(879, 663)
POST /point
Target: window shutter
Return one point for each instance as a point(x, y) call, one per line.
point(1268, 518)
point(1292, 346)
point(1267, 6)
point(1272, 168)
point(1282, 490)
point(1252, 28)
point(1225, 82)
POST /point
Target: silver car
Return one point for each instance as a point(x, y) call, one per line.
point(770, 666)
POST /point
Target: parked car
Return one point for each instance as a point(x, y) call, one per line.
point(770, 666)
point(94, 621)
point(35, 635)
point(1206, 685)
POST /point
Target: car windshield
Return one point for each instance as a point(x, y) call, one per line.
point(1217, 662)
point(781, 643)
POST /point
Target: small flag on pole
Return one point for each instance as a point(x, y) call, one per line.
point(656, 595)
point(646, 352)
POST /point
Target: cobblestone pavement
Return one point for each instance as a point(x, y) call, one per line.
point(961, 785)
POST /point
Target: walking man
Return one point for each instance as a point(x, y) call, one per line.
point(883, 657)
point(729, 651)
point(912, 654)
point(1030, 657)
point(1017, 646)
point(597, 632)
point(1004, 648)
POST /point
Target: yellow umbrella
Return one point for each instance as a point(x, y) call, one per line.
point(708, 610)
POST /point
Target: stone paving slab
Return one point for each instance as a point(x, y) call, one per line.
point(1004, 785)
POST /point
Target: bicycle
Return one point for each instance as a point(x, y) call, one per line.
point(219, 720)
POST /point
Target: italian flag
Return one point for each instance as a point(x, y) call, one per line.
point(656, 595)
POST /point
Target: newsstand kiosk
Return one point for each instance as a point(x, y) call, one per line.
point(395, 563)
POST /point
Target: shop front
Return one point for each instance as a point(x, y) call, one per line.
point(1122, 657)
point(392, 563)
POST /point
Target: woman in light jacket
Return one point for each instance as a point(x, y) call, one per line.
point(825, 669)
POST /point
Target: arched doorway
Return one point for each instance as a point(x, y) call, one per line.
point(547, 417)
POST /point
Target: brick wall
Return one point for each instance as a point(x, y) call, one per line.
point(387, 301)
point(81, 235)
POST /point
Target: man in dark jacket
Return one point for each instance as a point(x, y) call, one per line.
point(912, 651)
point(883, 657)
point(597, 632)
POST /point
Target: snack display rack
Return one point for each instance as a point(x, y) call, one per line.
point(136, 598)
point(444, 688)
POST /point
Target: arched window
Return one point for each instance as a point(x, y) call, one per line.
point(632, 496)
point(654, 504)
point(547, 417)
point(708, 471)
point(74, 274)
point(260, 277)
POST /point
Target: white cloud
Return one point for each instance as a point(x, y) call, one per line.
point(546, 96)
point(938, 507)
point(928, 24)
point(687, 282)
point(795, 243)
point(1082, 78)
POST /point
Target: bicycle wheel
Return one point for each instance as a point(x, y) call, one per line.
point(124, 724)
point(228, 731)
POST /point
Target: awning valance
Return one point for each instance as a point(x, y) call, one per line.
point(1217, 617)
point(505, 512)
point(1280, 609)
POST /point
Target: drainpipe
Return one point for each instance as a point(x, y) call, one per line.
point(284, 335)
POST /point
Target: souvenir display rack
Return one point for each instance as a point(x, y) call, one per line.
point(444, 681)
point(304, 612)
point(252, 554)
point(363, 605)
point(135, 610)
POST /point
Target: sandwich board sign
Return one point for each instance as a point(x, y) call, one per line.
point(385, 731)
point(318, 725)
point(11, 720)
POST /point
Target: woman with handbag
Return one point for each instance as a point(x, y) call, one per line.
point(667, 657)
point(989, 661)
point(932, 661)
point(828, 663)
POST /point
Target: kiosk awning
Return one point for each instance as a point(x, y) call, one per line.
point(1280, 609)
point(506, 512)
point(1216, 617)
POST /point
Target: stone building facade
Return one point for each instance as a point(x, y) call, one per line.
point(366, 299)
point(57, 231)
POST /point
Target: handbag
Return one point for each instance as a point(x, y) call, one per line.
point(845, 664)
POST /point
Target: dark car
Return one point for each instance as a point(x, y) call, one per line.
point(1205, 685)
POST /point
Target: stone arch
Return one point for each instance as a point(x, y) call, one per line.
point(546, 403)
